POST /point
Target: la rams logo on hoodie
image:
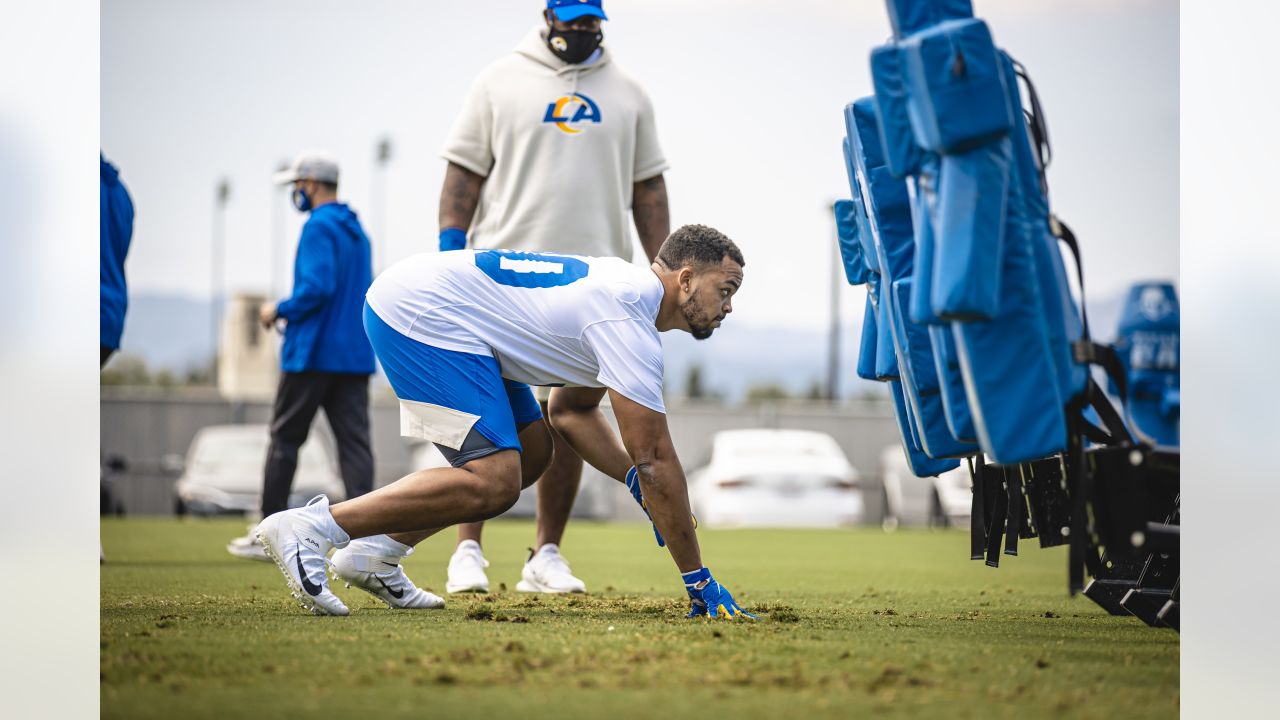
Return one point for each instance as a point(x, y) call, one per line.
point(568, 112)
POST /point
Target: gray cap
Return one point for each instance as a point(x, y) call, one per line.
point(310, 165)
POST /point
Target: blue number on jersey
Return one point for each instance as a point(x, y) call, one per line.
point(530, 270)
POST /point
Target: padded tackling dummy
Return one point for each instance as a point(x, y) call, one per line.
point(1148, 345)
point(903, 156)
point(911, 16)
point(1061, 313)
point(986, 277)
point(921, 465)
point(956, 95)
point(856, 271)
point(954, 402)
point(920, 381)
point(891, 227)
point(866, 367)
point(1011, 380)
point(885, 204)
point(850, 222)
point(864, 237)
point(875, 361)
point(946, 82)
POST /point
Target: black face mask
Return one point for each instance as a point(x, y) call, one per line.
point(573, 46)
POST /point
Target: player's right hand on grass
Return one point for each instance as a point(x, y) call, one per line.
point(710, 598)
point(633, 484)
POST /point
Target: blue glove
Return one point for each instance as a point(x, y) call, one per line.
point(711, 599)
point(633, 484)
point(453, 239)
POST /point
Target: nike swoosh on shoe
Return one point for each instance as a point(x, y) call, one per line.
point(397, 594)
point(312, 589)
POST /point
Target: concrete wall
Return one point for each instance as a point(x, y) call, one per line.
point(143, 426)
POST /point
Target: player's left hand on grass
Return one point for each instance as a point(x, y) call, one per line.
point(633, 484)
point(710, 598)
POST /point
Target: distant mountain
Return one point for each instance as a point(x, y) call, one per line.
point(172, 332)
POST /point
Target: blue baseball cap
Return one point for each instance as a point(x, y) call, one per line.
point(570, 10)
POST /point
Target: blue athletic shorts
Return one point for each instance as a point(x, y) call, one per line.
point(461, 381)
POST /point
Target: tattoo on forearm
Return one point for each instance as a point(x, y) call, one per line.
point(459, 197)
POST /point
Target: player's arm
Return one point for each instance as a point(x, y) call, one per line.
point(650, 212)
point(666, 497)
point(575, 413)
point(459, 197)
point(648, 444)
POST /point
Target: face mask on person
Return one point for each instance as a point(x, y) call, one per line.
point(301, 200)
point(573, 46)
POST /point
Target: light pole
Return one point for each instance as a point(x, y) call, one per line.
point(217, 257)
point(382, 157)
point(833, 347)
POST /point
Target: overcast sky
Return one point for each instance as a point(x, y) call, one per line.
point(748, 96)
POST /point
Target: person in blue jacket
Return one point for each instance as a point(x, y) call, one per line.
point(115, 212)
point(326, 359)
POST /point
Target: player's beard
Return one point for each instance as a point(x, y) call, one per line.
point(700, 322)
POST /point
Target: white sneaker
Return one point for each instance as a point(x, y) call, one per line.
point(546, 571)
point(248, 547)
point(466, 569)
point(298, 540)
point(373, 565)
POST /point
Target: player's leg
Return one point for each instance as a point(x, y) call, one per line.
point(546, 570)
point(298, 397)
point(456, 400)
point(466, 572)
point(535, 441)
point(466, 566)
point(439, 497)
point(298, 540)
point(559, 485)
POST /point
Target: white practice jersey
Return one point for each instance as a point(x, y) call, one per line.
point(548, 319)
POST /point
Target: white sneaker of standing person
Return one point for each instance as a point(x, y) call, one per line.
point(466, 569)
point(298, 541)
point(546, 571)
point(373, 565)
point(248, 547)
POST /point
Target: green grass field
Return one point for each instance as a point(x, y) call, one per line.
point(850, 622)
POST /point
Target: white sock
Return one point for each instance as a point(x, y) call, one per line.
point(468, 544)
point(383, 545)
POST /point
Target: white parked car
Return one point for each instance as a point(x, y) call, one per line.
point(223, 471)
point(776, 478)
point(942, 501)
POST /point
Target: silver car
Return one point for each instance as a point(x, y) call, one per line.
point(776, 478)
point(223, 472)
point(942, 501)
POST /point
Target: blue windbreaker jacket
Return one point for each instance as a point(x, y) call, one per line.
point(332, 272)
point(115, 212)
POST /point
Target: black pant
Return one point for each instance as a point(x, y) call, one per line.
point(345, 399)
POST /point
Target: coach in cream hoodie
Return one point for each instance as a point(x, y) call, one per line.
point(561, 148)
point(553, 146)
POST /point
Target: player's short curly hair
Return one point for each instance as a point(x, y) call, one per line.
point(698, 245)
